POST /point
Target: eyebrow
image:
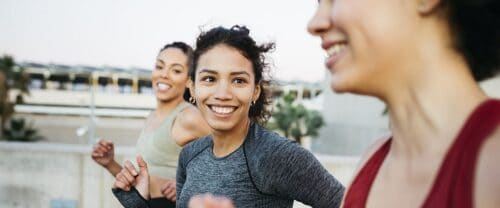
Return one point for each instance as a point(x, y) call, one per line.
point(215, 72)
point(239, 73)
point(207, 71)
point(174, 64)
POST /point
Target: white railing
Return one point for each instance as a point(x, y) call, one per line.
point(36, 174)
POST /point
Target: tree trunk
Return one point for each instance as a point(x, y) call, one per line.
point(4, 99)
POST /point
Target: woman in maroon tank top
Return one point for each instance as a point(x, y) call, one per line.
point(423, 58)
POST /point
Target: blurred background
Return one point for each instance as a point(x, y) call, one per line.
point(76, 71)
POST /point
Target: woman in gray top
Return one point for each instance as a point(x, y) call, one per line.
point(240, 160)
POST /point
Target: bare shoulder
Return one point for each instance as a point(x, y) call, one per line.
point(487, 181)
point(190, 117)
point(189, 125)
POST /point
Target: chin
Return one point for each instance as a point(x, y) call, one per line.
point(337, 86)
point(220, 126)
point(163, 98)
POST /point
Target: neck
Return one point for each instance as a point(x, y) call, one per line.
point(226, 142)
point(165, 107)
point(428, 111)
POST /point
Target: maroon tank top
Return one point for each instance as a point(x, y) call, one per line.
point(453, 186)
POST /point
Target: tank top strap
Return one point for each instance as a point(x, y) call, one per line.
point(173, 114)
point(454, 184)
point(357, 194)
point(180, 108)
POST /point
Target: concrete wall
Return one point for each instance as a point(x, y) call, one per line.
point(36, 174)
point(354, 122)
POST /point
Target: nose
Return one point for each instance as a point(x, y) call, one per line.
point(321, 21)
point(164, 73)
point(223, 91)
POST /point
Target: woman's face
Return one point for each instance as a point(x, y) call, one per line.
point(170, 76)
point(366, 41)
point(224, 88)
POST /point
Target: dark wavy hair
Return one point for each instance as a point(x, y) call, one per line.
point(475, 25)
point(238, 37)
point(188, 51)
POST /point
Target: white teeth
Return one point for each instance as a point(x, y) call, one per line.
point(223, 110)
point(335, 49)
point(162, 86)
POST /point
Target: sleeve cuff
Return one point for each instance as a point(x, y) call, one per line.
point(130, 199)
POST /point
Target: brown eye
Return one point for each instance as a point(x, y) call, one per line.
point(239, 81)
point(207, 79)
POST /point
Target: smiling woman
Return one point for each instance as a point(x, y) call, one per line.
point(171, 125)
point(240, 160)
point(423, 58)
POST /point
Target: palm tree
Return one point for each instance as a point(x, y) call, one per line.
point(11, 77)
point(20, 131)
point(294, 120)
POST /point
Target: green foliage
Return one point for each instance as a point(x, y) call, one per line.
point(19, 131)
point(294, 120)
point(11, 77)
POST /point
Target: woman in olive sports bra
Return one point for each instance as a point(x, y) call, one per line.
point(170, 126)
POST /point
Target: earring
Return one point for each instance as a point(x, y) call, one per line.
point(252, 103)
point(422, 7)
point(192, 100)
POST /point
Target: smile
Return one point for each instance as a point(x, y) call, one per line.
point(222, 109)
point(162, 86)
point(336, 49)
point(334, 53)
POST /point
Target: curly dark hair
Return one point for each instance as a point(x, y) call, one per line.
point(188, 51)
point(238, 37)
point(476, 28)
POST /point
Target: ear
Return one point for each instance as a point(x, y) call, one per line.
point(256, 92)
point(189, 82)
point(190, 85)
point(426, 7)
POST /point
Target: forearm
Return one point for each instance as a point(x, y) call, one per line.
point(113, 168)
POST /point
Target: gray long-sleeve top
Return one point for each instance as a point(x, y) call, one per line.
point(266, 171)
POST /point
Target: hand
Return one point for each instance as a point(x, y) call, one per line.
point(168, 190)
point(103, 152)
point(210, 201)
point(128, 178)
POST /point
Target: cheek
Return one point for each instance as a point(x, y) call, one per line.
point(180, 79)
point(155, 75)
point(201, 93)
point(245, 95)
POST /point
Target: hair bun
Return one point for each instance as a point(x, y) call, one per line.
point(241, 29)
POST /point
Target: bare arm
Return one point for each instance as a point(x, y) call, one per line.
point(103, 153)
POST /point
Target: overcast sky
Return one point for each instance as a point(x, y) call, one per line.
point(129, 33)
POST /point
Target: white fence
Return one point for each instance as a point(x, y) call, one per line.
point(48, 175)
